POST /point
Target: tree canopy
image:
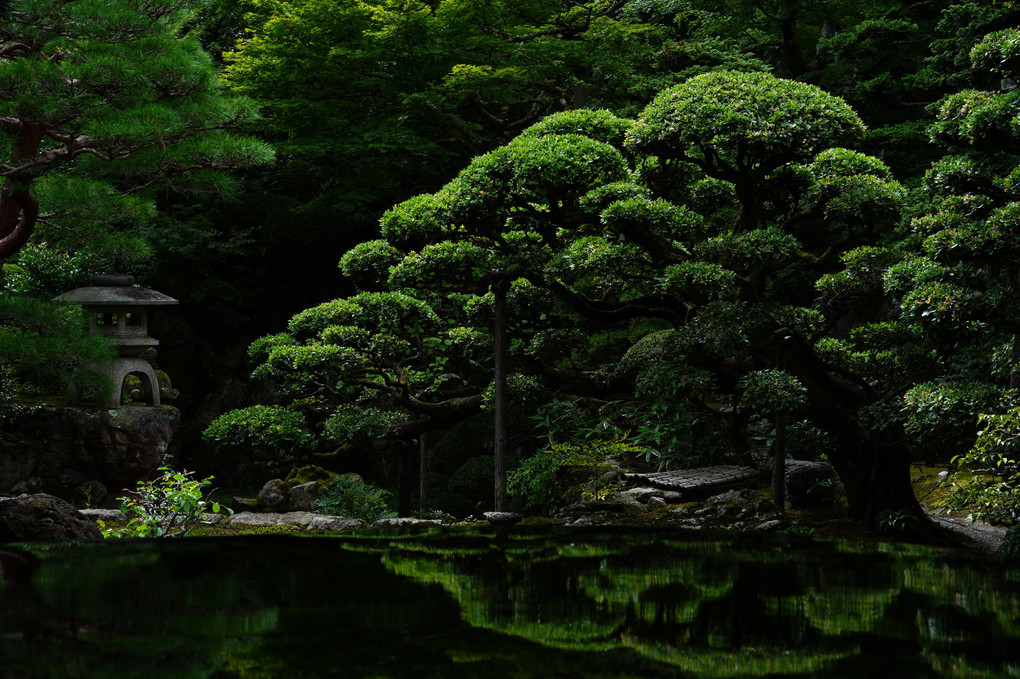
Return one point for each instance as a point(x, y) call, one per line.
point(99, 101)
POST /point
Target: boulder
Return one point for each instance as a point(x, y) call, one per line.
point(85, 455)
point(299, 492)
point(808, 484)
point(43, 517)
point(273, 496)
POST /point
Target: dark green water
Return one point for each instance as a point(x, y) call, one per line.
point(624, 604)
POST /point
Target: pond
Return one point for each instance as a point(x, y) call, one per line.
point(537, 604)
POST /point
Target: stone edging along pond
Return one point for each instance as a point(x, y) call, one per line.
point(976, 535)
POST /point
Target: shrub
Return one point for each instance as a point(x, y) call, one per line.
point(562, 470)
point(271, 426)
point(351, 497)
point(169, 506)
point(995, 496)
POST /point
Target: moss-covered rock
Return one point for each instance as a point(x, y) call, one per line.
point(299, 492)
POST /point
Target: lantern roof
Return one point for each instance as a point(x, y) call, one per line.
point(112, 290)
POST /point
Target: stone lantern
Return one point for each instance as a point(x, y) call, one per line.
point(119, 311)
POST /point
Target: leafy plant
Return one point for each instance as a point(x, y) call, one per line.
point(168, 506)
point(898, 521)
point(1010, 547)
point(350, 496)
point(563, 470)
point(996, 496)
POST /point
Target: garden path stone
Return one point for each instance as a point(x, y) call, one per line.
point(272, 519)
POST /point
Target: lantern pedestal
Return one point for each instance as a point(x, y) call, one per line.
point(118, 370)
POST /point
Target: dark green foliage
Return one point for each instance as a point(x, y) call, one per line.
point(44, 345)
point(132, 102)
point(942, 417)
point(658, 265)
point(349, 496)
point(1010, 547)
point(9, 406)
point(567, 472)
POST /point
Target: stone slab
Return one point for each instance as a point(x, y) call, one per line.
point(692, 484)
point(270, 519)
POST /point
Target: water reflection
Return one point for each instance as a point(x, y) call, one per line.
point(726, 610)
point(598, 605)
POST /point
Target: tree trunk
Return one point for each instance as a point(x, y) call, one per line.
point(872, 464)
point(749, 197)
point(790, 48)
point(1014, 363)
point(19, 210)
point(875, 470)
point(499, 289)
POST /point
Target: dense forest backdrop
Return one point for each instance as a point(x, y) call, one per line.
point(716, 222)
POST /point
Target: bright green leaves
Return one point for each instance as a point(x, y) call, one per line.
point(942, 416)
point(354, 423)
point(266, 426)
point(599, 125)
point(995, 497)
point(746, 251)
point(838, 162)
point(982, 120)
point(863, 272)
point(999, 52)
point(446, 265)
point(546, 172)
point(889, 353)
point(639, 218)
point(297, 363)
point(697, 280)
point(389, 312)
point(957, 175)
point(168, 506)
point(598, 267)
point(734, 124)
point(418, 220)
point(368, 264)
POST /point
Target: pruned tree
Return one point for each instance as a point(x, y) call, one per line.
point(772, 205)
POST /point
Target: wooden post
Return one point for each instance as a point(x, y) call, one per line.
point(779, 462)
point(423, 476)
point(404, 459)
point(499, 290)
